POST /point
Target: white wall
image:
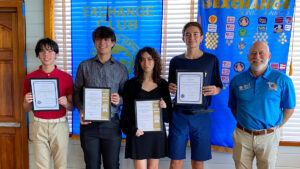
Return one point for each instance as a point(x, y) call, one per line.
point(288, 156)
point(34, 23)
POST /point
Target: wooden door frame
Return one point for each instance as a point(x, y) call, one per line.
point(19, 69)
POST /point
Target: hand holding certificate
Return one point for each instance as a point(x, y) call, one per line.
point(45, 94)
point(148, 115)
point(96, 102)
point(189, 87)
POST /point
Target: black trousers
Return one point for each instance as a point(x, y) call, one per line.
point(101, 141)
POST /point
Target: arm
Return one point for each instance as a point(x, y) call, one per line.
point(287, 113)
point(233, 111)
point(211, 90)
point(127, 114)
point(27, 103)
point(232, 101)
point(217, 85)
point(122, 84)
point(172, 78)
point(78, 88)
point(66, 101)
point(167, 112)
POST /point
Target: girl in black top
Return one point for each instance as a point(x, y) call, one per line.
point(145, 148)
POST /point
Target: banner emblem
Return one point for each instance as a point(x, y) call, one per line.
point(244, 21)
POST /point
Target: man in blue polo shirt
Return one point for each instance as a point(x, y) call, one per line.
point(262, 100)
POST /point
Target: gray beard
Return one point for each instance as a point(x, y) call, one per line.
point(260, 67)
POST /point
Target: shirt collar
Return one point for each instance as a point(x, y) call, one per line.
point(51, 73)
point(111, 60)
point(265, 75)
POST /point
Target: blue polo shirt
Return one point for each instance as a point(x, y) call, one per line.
point(259, 101)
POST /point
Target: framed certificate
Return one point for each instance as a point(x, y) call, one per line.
point(96, 104)
point(189, 87)
point(148, 115)
point(45, 94)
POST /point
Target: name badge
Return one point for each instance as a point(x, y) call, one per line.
point(244, 87)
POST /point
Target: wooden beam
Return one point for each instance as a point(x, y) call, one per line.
point(49, 19)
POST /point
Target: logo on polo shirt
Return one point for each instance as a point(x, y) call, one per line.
point(272, 86)
point(244, 87)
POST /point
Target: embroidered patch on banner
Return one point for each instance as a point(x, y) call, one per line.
point(279, 20)
point(244, 21)
point(288, 19)
point(278, 28)
point(241, 45)
point(212, 27)
point(262, 20)
point(229, 35)
point(230, 27)
point(226, 64)
point(212, 19)
point(239, 66)
point(274, 66)
point(226, 72)
point(225, 79)
point(230, 19)
point(282, 66)
point(261, 28)
point(243, 32)
point(287, 27)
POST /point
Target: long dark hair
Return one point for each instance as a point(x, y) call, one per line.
point(138, 71)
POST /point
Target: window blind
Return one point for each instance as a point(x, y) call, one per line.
point(291, 130)
point(62, 34)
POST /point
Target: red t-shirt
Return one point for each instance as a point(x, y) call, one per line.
point(65, 83)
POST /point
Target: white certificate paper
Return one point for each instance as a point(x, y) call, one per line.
point(148, 115)
point(189, 87)
point(45, 93)
point(96, 104)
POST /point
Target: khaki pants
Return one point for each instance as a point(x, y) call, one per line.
point(50, 139)
point(263, 147)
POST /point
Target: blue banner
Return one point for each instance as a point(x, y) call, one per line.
point(230, 27)
point(136, 24)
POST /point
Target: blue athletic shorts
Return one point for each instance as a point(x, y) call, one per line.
point(198, 128)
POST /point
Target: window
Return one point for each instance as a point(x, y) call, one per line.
point(291, 130)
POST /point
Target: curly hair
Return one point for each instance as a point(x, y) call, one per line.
point(138, 71)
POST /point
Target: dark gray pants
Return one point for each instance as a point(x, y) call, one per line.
point(101, 142)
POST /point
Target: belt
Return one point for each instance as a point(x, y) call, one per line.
point(257, 132)
point(62, 119)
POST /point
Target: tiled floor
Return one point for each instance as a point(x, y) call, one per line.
point(288, 159)
point(75, 158)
